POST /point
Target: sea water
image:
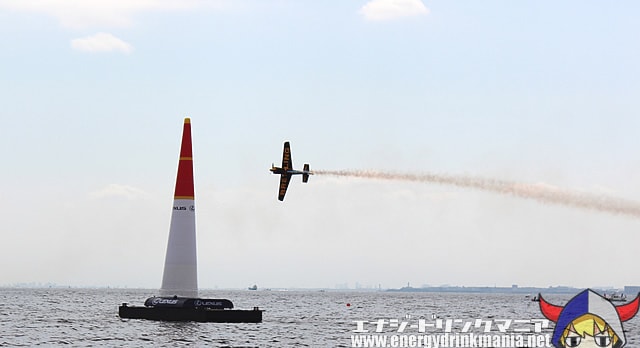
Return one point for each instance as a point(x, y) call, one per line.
point(89, 317)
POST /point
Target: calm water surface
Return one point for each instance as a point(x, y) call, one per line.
point(89, 317)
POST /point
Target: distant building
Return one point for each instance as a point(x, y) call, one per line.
point(342, 286)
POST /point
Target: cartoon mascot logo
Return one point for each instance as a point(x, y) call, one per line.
point(589, 320)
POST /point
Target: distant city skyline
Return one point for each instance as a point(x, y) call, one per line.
point(631, 289)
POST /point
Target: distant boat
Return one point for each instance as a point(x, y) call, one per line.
point(254, 287)
point(179, 291)
point(616, 297)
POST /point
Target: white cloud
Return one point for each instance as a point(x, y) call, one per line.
point(382, 10)
point(119, 191)
point(79, 14)
point(101, 42)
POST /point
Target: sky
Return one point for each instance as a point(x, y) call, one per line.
point(93, 95)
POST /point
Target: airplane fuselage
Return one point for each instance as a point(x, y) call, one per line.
point(282, 171)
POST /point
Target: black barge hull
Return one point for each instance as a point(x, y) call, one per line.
point(204, 315)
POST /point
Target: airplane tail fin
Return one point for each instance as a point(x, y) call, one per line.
point(305, 176)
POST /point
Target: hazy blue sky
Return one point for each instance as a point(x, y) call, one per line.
point(93, 94)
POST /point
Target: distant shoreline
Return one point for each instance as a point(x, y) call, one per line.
point(512, 290)
point(630, 290)
point(495, 290)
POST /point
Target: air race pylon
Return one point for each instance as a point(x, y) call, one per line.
point(180, 265)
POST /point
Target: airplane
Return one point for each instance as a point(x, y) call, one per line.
point(286, 171)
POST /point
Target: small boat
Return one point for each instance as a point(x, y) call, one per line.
point(254, 287)
point(616, 297)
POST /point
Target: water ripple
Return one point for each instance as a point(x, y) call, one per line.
point(81, 317)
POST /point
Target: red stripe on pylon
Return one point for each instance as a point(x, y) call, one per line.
point(184, 181)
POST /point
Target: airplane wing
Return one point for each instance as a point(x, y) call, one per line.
point(284, 183)
point(286, 158)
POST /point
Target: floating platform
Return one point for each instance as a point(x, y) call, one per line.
point(190, 309)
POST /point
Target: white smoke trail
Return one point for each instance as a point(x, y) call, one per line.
point(539, 192)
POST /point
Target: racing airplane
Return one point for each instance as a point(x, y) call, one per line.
point(286, 171)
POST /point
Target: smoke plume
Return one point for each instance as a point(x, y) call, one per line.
point(539, 192)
